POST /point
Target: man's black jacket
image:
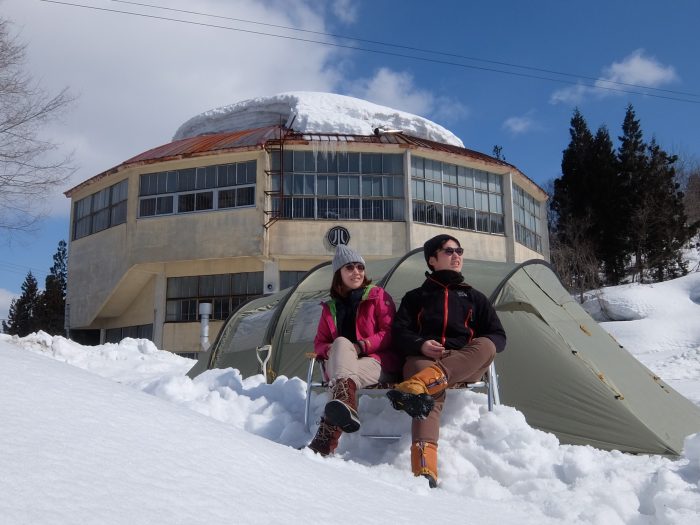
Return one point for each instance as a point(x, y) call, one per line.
point(447, 310)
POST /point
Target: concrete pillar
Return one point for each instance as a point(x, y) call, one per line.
point(544, 231)
point(271, 277)
point(408, 200)
point(508, 216)
point(159, 299)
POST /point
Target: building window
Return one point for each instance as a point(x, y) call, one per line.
point(207, 188)
point(290, 278)
point(101, 210)
point(527, 214)
point(225, 292)
point(456, 197)
point(143, 331)
point(349, 186)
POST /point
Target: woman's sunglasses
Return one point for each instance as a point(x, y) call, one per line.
point(351, 267)
point(450, 251)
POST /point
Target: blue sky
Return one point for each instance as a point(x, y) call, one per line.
point(137, 78)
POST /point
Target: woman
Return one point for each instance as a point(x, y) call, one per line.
point(354, 337)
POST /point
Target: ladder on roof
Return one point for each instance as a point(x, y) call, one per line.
point(274, 195)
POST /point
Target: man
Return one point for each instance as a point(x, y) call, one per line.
point(450, 334)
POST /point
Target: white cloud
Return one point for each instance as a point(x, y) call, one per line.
point(345, 10)
point(640, 70)
point(569, 95)
point(5, 299)
point(636, 69)
point(397, 89)
point(394, 89)
point(520, 125)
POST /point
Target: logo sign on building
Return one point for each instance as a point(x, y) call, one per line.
point(338, 235)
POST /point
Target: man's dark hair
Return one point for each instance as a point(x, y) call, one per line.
point(431, 246)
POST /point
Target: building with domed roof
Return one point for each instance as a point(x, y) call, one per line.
point(247, 198)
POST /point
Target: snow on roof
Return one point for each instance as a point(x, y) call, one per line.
point(314, 113)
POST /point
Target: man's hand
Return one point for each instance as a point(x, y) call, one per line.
point(432, 349)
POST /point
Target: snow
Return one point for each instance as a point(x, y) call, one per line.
point(118, 434)
point(659, 324)
point(314, 113)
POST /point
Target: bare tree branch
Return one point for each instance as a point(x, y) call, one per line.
point(28, 173)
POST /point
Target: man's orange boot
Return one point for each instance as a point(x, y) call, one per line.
point(424, 461)
point(415, 396)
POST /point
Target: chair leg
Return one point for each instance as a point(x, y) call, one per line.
point(307, 408)
point(309, 386)
point(492, 387)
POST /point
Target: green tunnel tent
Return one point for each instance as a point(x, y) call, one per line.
point(560, 368)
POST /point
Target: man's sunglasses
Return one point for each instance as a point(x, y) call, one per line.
point(351, 267)
point(450, 251)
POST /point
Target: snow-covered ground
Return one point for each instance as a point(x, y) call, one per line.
point(314, 113)
point(117, 434)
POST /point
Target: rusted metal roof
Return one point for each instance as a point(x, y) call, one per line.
point(207, 143)
point(192, 147)
point(257, 138)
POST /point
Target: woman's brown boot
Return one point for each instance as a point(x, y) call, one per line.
point(326, 439)
point(342, 409)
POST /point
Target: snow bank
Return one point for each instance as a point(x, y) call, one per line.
point(222, 449)
point(314, 113)
point(658, 324)
point(489, 461)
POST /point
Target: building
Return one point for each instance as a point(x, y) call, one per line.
point(224, 215)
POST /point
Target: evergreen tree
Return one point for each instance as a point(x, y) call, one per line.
point(634, 175)
point(53, 301)
point(691, 198)
point(608, 205)
point(609, 202)
point(570, 200)
point(572, 229)
point(668, 229)
point(60, 266)
point(21, 319)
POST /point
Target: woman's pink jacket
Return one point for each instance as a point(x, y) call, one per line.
point(375, 314)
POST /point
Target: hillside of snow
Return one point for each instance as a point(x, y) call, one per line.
point(118, 434)
point(661, 322)
point(314, 113)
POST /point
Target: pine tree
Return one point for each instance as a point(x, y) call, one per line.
point(668, 229)
point(608, 205)
point(21, 319)
point(571, 190)
point(572, 235)
point(609, 200)
point(60, 266)
point(634, 175)
point(691, 198)
point(51, 314)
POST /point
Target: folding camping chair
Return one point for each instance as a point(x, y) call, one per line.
point(489, 382)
